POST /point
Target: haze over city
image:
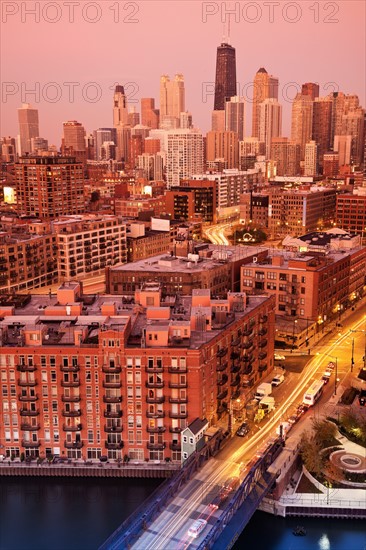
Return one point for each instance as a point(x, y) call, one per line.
point(137, 42)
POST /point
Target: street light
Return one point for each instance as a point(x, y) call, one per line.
point(293, 335)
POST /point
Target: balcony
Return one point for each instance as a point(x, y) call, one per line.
point(155, 399)
point(26, 368)
point(71, 398)
point(156, 384)
point(263, 343)
point(27, 383)
point(247, 358)
point(235, 342)
point(174, 446)
point(262, 355)
point(262, 331)
point(27, 397)
point(175, 430)
point(156, 414)
point(113, 429)
point(112, 398)
point(28, 412)
point(31, 444)
point(247, 345)
point(113, 414)
point(29, 427)
point(248, 332)
point(154, 369)
point(177, 370)
point(73, 428)
point(236, 394)
point(235, 382)
point(73, 444)
point(222, 380)
point(234, 355)
point(247, 369)
point(70, 368)
point(221, 352)
point(112, 385)
point(222, 394)
point(234, 369)
point(73, 384)
point(178, 414)
point(108, 369)
point(178, 400)
point(72, 414)
point(156, 446)
point(263, 318)
point(262, 367)
point(220, 367)
point(177, 385)
point(155, 429)
point(114, 446)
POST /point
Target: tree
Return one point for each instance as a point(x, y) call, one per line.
point(95, 196)
point(311, 455)
point(324, 433)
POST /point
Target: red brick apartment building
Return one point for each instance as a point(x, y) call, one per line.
point(83, 378)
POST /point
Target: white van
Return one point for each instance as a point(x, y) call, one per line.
point(196, 528)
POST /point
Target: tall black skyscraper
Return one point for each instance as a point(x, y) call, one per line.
point(225, 83)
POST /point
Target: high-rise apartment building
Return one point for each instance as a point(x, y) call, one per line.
point(302, 121)
point(49, 186)
point(28, 127)
point(172, 97)
point(265, 86)
point(184, 155)
point(225, 81)
point(8, 149)
point(311, 89)
point(73, 142)
point(286, 155)
point(342, 146)
point(223, 146)
point(133, 117)
point(351, 212)
point(311, 159)
point(270, 122)
point(322, 126)
point(235, 116)
point(149, 115)
point(353, 125)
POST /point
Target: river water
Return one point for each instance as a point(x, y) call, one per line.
point(80, 514)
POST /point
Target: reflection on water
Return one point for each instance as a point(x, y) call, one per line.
point(59, 514)
point(267, 532)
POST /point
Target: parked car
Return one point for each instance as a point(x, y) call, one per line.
point(277, 380)
point(243, 430)
point(331, 365)
point(362, 398)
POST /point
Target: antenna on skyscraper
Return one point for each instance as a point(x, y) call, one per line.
point(228, 29)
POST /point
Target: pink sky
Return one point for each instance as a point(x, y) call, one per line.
point(169, 37)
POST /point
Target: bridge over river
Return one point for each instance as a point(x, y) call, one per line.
point(195, 492)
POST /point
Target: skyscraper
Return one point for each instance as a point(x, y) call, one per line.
point(172, 97)
point(311, 159)
point(100, 136)
point(73, 142)
point(302, 121)
point(270, 122)
point(223, 146)
point(235, 116)
point(184, 156)
point(149, 115)
point(28, 127)
point(322, 125)
point(311, 89)
point(225, 82)
point(120, 111)
point(265, 86)
point(286, 154)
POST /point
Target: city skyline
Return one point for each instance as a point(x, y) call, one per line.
point(324, 60)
